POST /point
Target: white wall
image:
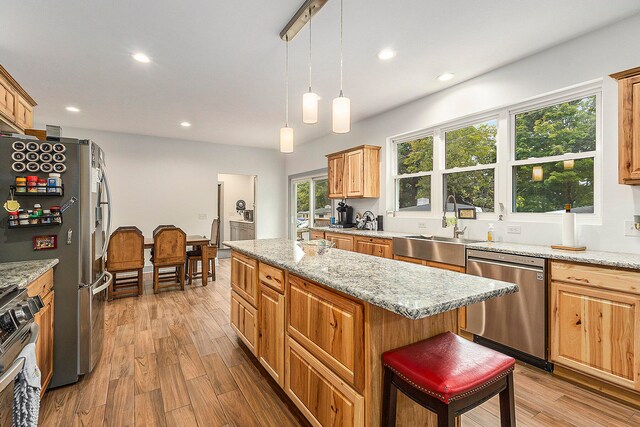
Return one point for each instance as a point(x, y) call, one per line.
point(593, 56)
point(166, 181)
point(236, 187)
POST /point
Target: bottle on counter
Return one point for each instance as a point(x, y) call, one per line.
point(491, 233)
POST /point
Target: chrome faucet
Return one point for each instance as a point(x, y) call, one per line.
point(457, 233)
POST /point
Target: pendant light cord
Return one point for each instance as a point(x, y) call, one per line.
point(286, 120)
point(340, 47)
point(309, 49)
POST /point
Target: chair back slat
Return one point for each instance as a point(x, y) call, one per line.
point(169, 246)
point(126, 249)
point(215, 233)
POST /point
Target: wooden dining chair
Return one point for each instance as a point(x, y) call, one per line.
point(125, 260)
point(169, 252)
point(212, 252)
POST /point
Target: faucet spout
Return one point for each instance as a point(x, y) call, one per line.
point(456, 231)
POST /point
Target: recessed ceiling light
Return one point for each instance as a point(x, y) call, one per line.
point(141, 57)
point(386, 54)
point(185, 124)
point(73, 109)
point(445, 76)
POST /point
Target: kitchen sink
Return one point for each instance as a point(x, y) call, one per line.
point(447, 250)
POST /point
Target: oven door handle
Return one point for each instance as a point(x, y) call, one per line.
point(16, 367)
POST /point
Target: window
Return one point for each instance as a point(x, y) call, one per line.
point(414, 167)
point(470, 162)
point(554, 152)
point(309, 195)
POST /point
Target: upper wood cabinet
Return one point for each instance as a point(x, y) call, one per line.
point(628, 126)
point(16, 106)
point(354, 173)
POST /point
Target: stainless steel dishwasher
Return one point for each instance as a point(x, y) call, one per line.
point(515, 324)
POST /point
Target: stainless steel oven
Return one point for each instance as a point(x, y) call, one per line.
point(515, 324)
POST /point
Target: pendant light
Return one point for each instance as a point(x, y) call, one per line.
point(286, 133)
point(341, 104)
point(310, 99)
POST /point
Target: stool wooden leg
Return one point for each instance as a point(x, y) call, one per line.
point(507, 404)
point(111, 289)
point(140, 277)
point(446, 417)
point(389, 399)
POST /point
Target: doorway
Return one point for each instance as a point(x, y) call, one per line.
point(237, 206)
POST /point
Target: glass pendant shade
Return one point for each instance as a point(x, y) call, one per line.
point(537, 174)
point(286, 140)
point(341, 114)
point(310, 108)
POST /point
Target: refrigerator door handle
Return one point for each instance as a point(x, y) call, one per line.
point(108, 278)
point(108, 203)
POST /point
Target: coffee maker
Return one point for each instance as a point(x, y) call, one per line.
point(345, 215)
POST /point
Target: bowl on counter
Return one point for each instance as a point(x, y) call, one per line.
point(316, 247)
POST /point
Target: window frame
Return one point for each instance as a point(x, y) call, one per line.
point(505, 157)
point(568, 95)
point(395, 177)
point(292, 201)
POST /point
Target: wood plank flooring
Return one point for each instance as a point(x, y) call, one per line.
point(172, 360)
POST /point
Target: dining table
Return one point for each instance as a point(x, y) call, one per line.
point(196, 241)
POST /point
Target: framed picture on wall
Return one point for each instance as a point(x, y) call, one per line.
point(42, 243)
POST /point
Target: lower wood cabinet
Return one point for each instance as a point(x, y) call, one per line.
point(244, 277)
point(321, 395)
point(410, 260)
point(43, 286)
point(342, 241)
point(329, 326)
point(317, 235)
point(373, 246)
point(244, 321)
point(271, 309)
point(596, 332)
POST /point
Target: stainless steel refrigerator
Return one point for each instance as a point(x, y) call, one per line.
point(80, 279)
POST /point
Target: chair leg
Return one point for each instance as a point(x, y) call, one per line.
point(507, 404)
point(213, 268)
point(181, 277)
point(140, 277)
point(389, 399)
point(190, 271)
point(111, 289)
point(446, 417)
point(156, 272)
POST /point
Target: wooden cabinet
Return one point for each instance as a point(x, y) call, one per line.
point(16, 106)
point(596, 330)
point(342, 241)
point(354, 173)
point(321, 396)
point(244, 277)
point(271, 332)
point(329, 326)
point(336, 176)
point(628, 126)
point(409, 259)
point(242, 230)
point(271, 276)
point(244, 321)
point(43, 286)
point(317, 235)
point(373, 246)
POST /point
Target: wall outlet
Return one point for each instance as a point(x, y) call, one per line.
point(630, 229)
point(514, 229)
point(422, 224)
point(202, 216)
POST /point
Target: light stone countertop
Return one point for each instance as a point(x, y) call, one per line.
point(366, 233)
point(410, 290)
point(22, 273)
point(613, 259)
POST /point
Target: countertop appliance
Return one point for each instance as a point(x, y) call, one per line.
point(17, 329)
point(515, 324)
point(345, 215)
point(80, 279)
point(248, 215)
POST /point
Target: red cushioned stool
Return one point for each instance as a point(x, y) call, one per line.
point(449, 376)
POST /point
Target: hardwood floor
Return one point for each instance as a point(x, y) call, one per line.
point(172, 360)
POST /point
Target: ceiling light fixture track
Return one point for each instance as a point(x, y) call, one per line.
point(300, 18)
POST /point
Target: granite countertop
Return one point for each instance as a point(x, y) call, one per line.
point(22, 273)
point(613, 259)
point(410, 290)
point(366, 233)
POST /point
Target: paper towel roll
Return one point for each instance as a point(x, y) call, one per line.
point(569, 229)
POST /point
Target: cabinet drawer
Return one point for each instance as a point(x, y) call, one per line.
point(272, 276)
point(321, 396)
point(329, 326)
point(316, 235)
point(42, 285)
point(244, 277)
point(596, 276)
point(341, 241)
point(373, 246)
point(244, 321)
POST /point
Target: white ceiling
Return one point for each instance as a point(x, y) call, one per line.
point(220, 64)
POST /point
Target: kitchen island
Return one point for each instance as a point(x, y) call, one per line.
point(319, 324)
